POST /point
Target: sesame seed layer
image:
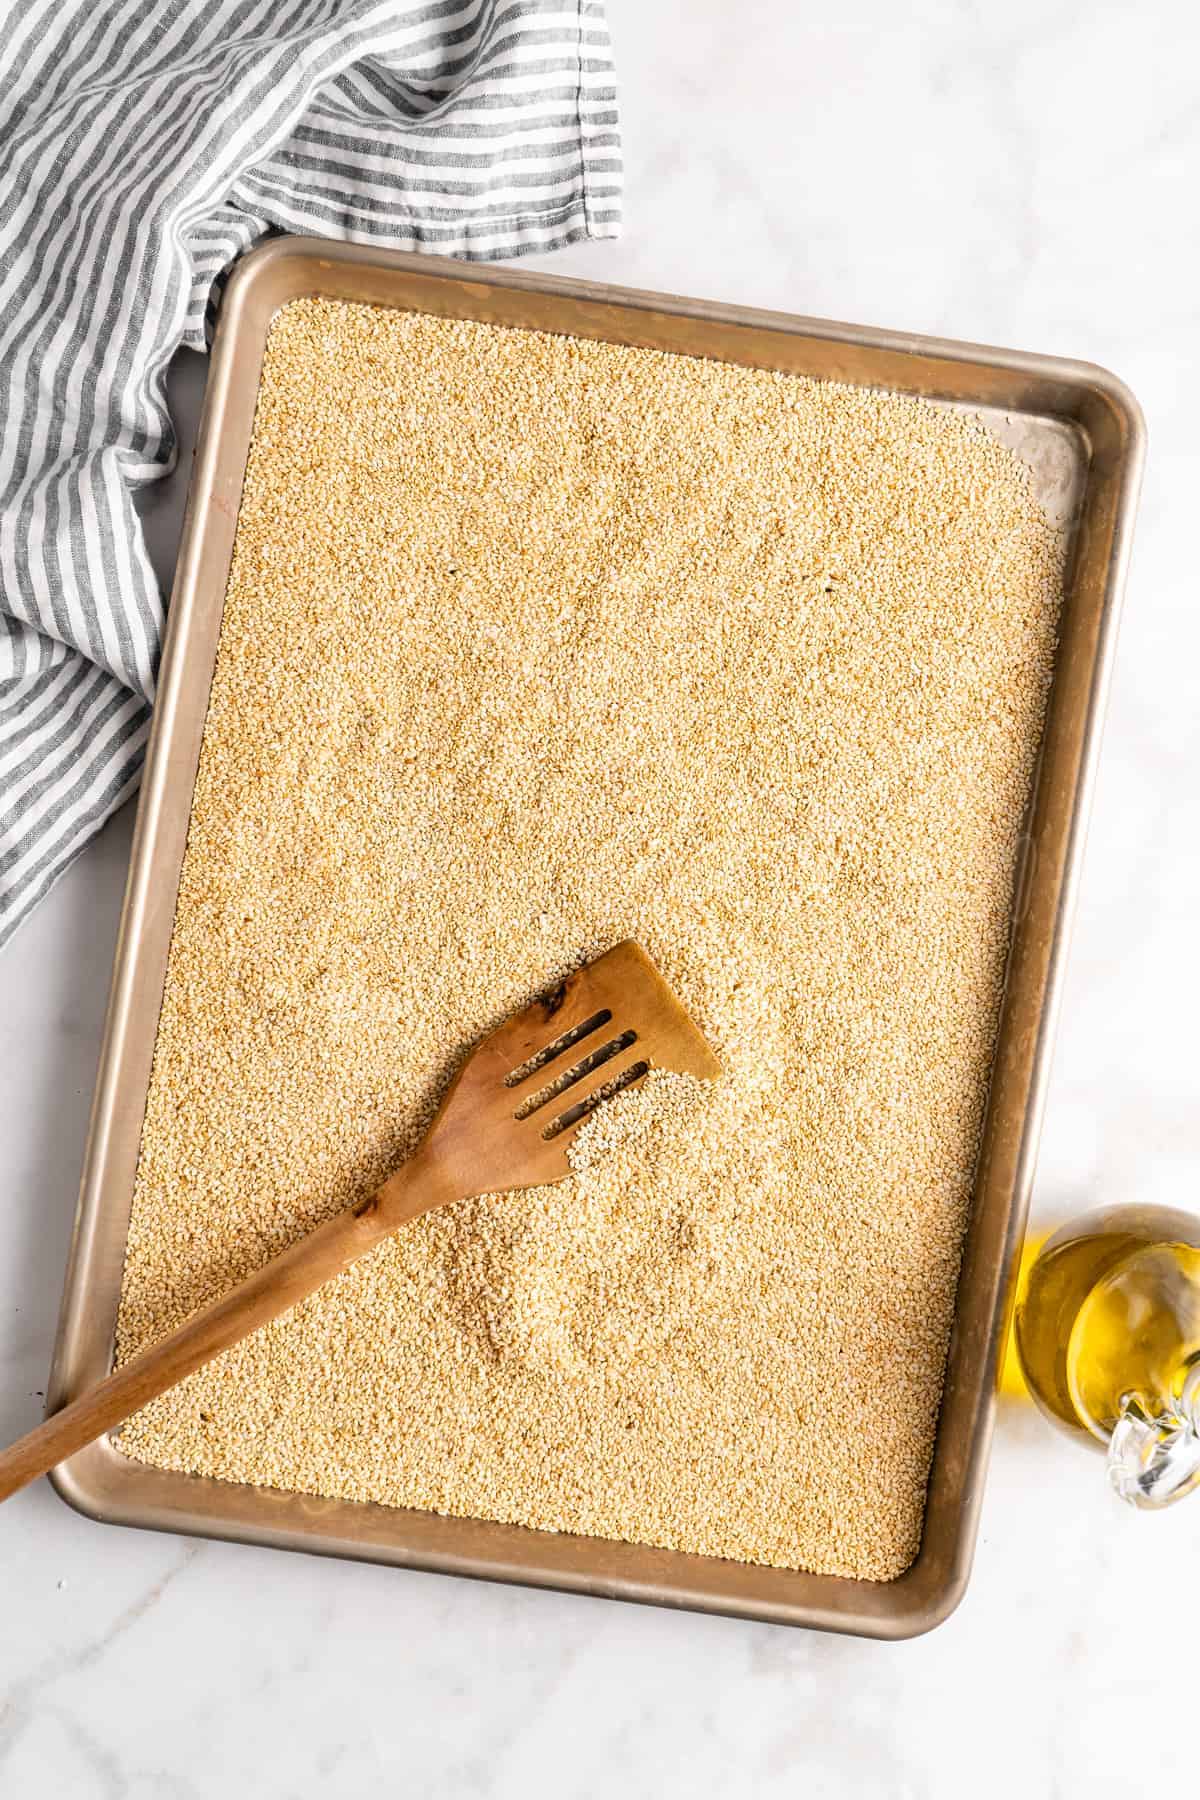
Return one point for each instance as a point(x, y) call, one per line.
point(532, 644)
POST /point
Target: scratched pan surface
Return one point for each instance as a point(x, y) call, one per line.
point(1080, 432)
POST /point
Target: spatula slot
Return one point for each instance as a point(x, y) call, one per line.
point(595, 1060)
point(582, 1108)
point(549, 1052)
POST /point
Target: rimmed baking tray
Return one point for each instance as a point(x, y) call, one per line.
point(1081, 434)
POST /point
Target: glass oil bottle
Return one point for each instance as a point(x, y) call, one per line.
point(1107, 1331)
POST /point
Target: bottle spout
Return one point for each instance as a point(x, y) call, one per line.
point(1154, 1458)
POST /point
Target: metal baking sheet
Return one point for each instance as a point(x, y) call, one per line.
point(1080, 432)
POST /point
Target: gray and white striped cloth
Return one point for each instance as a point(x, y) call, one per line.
point(143, 145)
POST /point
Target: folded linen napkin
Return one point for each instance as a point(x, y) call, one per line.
point(144, 144)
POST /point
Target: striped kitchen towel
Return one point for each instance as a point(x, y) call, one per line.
point(143, 145)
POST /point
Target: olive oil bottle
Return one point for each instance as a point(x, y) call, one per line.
point(1107, 1332)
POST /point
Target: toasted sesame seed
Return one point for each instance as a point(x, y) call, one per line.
point(532, 644)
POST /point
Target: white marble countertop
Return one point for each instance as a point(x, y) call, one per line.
point(1023, 175)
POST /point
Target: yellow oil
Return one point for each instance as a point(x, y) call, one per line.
point(1108, 1312)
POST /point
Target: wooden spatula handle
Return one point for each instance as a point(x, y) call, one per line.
point(289, 1277)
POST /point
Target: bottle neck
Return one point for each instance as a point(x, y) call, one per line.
point(1154, 1458)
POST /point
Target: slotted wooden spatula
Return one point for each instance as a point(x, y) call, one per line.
point(505, 1123)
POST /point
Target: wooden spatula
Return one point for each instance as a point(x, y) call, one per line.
point(505, 1123)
